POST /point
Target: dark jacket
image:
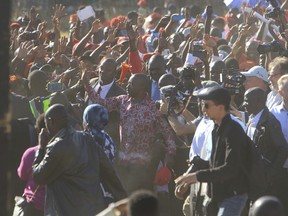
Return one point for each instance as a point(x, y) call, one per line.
point(114, 118)
point(71, 166)
point(226, 177)
point(272, 145)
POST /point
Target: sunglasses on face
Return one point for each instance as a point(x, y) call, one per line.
point(206, 105)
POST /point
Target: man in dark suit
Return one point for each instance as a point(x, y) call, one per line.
point(265, 131)
point(107, 87)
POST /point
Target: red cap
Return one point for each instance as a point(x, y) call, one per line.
point(14, 24)
point(163, 176)
point(142, 2)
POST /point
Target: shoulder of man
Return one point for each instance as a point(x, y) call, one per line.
point(117, 89)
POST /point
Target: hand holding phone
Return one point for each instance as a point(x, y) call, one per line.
point(86, 13)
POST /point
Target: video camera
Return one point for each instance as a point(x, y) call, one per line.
point(274, 46)
point(176, 97)
point(233, 82)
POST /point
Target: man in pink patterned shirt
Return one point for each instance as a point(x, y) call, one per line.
point(140, 122)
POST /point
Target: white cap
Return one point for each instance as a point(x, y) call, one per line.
point(257, 71)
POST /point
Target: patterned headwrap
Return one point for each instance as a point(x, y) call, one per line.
point(95, 118)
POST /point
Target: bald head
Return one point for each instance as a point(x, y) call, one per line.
point(59, 98)
point(254, 100)
point(141, 80)
point(267, 206)
point(138, 86)
point(167, 79)
point(56, 118)
point(258, 94)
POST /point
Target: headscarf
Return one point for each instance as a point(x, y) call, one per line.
point(95, 118)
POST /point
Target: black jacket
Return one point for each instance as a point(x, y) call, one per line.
point(226, 178)
point(272, 145)
point(71, 166)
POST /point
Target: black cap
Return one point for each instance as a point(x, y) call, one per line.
point(215, 93)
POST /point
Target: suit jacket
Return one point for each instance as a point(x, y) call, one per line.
point(272, 145)
point(114, 118)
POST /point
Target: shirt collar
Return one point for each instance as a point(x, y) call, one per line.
point(108, 85)
point(256, 118)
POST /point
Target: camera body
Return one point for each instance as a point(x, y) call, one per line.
point(274, 13)
point(274, 46)
point(176, 97)
point(234, 83)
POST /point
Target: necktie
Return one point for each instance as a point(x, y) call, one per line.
point(99, 90)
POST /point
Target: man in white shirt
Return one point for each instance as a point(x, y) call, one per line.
point(277, 68)
point(281, 111)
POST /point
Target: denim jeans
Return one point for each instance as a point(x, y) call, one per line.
point(232, 206)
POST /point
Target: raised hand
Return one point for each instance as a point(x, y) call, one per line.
point(130, 31)
point(96, 25)
point(62, 44)
point(111, 35)
point(209, 10)
point(24, 49)
point(59, 11)
point(209, 41)
point(42, 32)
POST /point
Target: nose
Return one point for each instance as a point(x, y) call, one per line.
point(203, 108)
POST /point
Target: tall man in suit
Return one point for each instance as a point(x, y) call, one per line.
point(265, 131)
point(106, 86)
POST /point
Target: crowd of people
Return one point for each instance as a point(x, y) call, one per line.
point(166, 112)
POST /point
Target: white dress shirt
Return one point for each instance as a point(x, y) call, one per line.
point(104, 90)
point(281, 115)
point(252, 123)
point(202, 140)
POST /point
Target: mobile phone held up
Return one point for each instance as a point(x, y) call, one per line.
point(86, 13)
point(54, 87)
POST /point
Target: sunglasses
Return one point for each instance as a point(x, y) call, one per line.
point(206, 105)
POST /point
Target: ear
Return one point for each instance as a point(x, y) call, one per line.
point(280, 92)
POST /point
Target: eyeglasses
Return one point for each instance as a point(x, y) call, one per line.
point(206, 105)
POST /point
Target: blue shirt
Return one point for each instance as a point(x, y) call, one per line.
point(281, 115)
point(155, 91)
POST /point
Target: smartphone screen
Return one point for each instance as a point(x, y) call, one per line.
point(54, 87)
point(86, 13)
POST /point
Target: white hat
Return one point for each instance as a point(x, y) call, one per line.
point(257, 71)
